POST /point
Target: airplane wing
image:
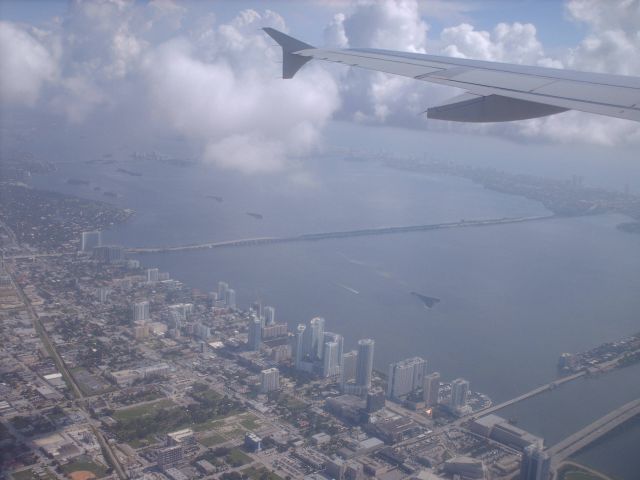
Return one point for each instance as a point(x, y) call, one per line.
point(495, 92)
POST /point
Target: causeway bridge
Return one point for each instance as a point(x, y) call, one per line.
point(572, 444)
point(531, 393)
point(246, 242)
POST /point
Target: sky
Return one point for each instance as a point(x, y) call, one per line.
point(205, 71)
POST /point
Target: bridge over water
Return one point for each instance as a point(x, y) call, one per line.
point(572, 444)
point(245, 242)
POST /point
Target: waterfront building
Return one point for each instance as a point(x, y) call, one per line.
point(140, 311)
point(152, 275)
point(269, 315)
point(91, 240)
point(331, 360)
point(431, 389)
point(364, 368)
point(459, 393)
point(269, 380)
point(316, 339)
point(230, 298)
point(405, 376)
point(536, 463)
point(299, 345)
point(108, 253)
point(348, 367)
point(255, 333)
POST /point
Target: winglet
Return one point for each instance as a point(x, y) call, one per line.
point(291, 62)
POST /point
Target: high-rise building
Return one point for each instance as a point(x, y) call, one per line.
point(299, 345)
point(152, 274)
point(536, 463)
point(255, 333)
point(269, 315)
point(256, 308)
point(431, 389)
point(405, 376)
point(140, 311)
point(365, 363)
point(270, 380)
point(222, 290)
point(348, 367)
point(230, 298)
point(375, 400)
point(103, 294)
point(331, 360)
point(316, 346)
point(108, 253)
point(459, 393)
point(91, 240)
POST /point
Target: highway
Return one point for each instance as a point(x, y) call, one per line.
point(592, 432)
point(244, 242)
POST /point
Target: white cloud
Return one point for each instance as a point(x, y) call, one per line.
point(26, 65)
point(516, 43)
point(234, 103)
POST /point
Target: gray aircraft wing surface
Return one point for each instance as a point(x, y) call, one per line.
point(495, 92)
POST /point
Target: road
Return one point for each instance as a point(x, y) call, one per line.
point(243, 242)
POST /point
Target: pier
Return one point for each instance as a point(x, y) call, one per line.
point(246, 242)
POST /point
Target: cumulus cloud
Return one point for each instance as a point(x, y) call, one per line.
point(215, 83)
point(233, 102)
point(218, 83)
point(516, 43)
point(26, 65)
point(612, 45)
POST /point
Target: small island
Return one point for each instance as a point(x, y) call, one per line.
point(257, 216)
point(129, 172)
point(429, 302)
point(77, 181)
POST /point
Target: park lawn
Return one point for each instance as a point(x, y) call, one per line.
point(574, 472)
point(212, 440)
point(250, 422)
point(27, 474)
point(237, 458)
point(257, 473)
point(213, 424)
point(85, 463)
point(141, 410)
